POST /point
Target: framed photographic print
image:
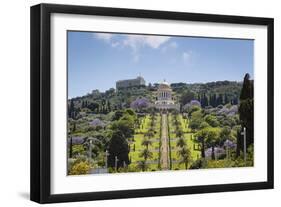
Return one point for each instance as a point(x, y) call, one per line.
point(132, 103)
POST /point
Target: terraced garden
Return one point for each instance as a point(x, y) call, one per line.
point(146, 152)
point(146, 142)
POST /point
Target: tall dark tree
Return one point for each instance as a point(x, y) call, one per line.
point(71, 143)
point(108, 105)
point(74, 127)
point(204, 100)
point(71, 109)
point(199, 98)
point(117, 115)
point(103, 102)
point(186, 97)
point(246, 108)
point(239, 142)
point(226, 100)
point(247, 88)
point(118, 147)
point(219, 100)
point(234, 101)
point(213, 100)
point(93, 106)
point(70, 148)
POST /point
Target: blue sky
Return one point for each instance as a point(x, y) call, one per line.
point(98, 60)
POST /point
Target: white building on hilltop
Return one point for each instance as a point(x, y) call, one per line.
point(164, 97)
point(129, 83)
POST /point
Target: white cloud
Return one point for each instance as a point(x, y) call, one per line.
point(134, 42)
point(167, 47)
point(156, 41)
point(186, 56)
point(115, 44)
point(173, 45)
point(104, 36)
point(138, 41)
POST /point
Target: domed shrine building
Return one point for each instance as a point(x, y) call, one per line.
point(164, 97)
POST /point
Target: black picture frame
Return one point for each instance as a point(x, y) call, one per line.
point(41, 96)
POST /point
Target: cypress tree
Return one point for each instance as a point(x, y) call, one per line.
point(219, 100)
point(246, 108)
point(214, 100)
point(226, 100)
point(118, 147)
point(70, 148)
point(71, 109)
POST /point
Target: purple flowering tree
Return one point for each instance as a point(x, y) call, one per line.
point(97, 123)
point(218, 151)
point(228, 111)
point(187, 107)
point(195, 103)
point(233, 110)
point(229, 145)
point(140, 103)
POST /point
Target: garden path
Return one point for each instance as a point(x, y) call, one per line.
point(165, 144)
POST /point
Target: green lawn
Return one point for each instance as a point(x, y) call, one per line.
point(187, 137)
point(137, 143)
point(154, 147)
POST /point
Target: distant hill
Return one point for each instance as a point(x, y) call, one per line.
point(211, 93)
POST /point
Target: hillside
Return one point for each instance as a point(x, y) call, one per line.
point(212, 93)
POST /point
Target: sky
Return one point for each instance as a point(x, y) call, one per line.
point(98, 60)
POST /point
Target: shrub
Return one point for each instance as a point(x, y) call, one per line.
point(198, 164)
point(212, 120)
point(80, 168)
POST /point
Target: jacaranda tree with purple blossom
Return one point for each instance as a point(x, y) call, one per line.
point(140, 103)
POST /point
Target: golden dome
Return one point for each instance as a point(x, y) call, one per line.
point(164, 85)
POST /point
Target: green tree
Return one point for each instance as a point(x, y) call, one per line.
point(204, 100)
point(108, 105)
point(186, 97)
point(70, 148)
point(93, 106)
point(146, 143)
point(208, 136)
point(71, 109)
point(193, 109)
point(211, 120)
point(181, 142)
point(142, 165)
point(225, 134)
point(179, 133)
point(204, 125)
point(117, 115)
point(226, 100)
point(246, 108)
point(146, 154)
point(185, 155)
point(149, 134)
point(239, 142)
point(70, 143)
point(118, 147)
point(219, 100)
point(212, 139)
point(201, 138)
point(125, 125)
point(196, 120)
